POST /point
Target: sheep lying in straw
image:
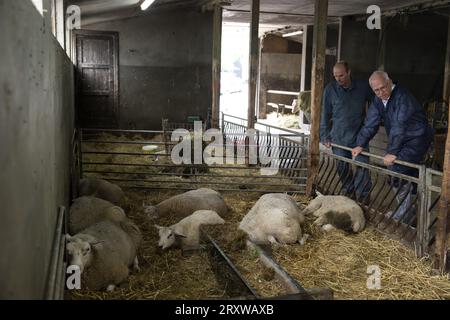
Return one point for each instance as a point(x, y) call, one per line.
point(186, 233)
point(336, 212)
point(275, 218)
point(184, 204)
point(86, 211)
point(104, 252)
point(101, 189)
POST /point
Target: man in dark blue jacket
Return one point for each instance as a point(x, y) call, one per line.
point(408, 130)
point(344, 104)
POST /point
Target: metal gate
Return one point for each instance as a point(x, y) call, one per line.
point(398, 205)
point(118, 156)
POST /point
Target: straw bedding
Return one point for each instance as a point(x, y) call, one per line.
point(332, 260)
point(341, 262)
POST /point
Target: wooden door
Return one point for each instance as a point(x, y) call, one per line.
point(97, 68)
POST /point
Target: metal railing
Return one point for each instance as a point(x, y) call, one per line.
point(292, 145)
point(122, 160)
point(398, 205)
point(433, 181)
point(401, 206)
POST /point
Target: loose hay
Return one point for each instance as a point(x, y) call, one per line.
point(341, 263)
point(283, 120)
point(233, 242)
point(331, 260)
point(163, 275)
point(170, 275)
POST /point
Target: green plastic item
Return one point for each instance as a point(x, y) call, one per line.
point(191, 119)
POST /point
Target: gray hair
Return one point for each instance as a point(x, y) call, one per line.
point(380, 74)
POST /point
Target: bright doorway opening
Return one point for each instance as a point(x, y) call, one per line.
point(235, 66)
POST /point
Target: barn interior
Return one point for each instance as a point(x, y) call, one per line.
point(88, 83)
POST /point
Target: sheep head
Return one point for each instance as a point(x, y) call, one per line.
point(79, 251)
point(152, 212)
point(168, 237)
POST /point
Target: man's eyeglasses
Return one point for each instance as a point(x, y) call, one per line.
point(383, 88)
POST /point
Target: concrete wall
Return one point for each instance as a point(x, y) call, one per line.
point(280, 69)
point(36, 124)
point(165, 66)
point(359, 47)
point(414, 54)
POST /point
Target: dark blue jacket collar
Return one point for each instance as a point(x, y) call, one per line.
point(352, 85)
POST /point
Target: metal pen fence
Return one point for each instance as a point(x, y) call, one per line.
point(121, 160)
point(292, 146)
point(398, 205)
point(401, 206)
point(433, 181)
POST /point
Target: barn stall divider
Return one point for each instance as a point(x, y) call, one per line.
point(289, 160)
point(389, 193)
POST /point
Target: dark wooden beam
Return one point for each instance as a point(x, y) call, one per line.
point(446, 92)
point(307, 47)
point(253, 73)
point(443, 218)
point(381, 59)
point(317, 76)
point(216, 66)
point(277, 13)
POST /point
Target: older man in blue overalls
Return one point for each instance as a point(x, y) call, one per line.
point(343, 110)
point(409, 134)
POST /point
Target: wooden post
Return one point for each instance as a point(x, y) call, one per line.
point(443, 218)
point(317, 76)
point(339, 47)
point(262, 86)
point(253, 73)
point(446, 91)
point(216, 66)
point(381, 59)
point(305, 82)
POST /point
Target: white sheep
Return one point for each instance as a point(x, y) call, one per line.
point(275, 218)
point(101, 189)
point(336, 212)
point(104, 252)
point(85, 211)
point(186, 233)
point(184, 204)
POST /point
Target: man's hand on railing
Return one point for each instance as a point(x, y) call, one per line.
point(327, 144)
point(356, 151)
point(389, 159)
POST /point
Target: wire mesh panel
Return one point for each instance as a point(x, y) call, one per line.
point(394, 203)
point(289, 148)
